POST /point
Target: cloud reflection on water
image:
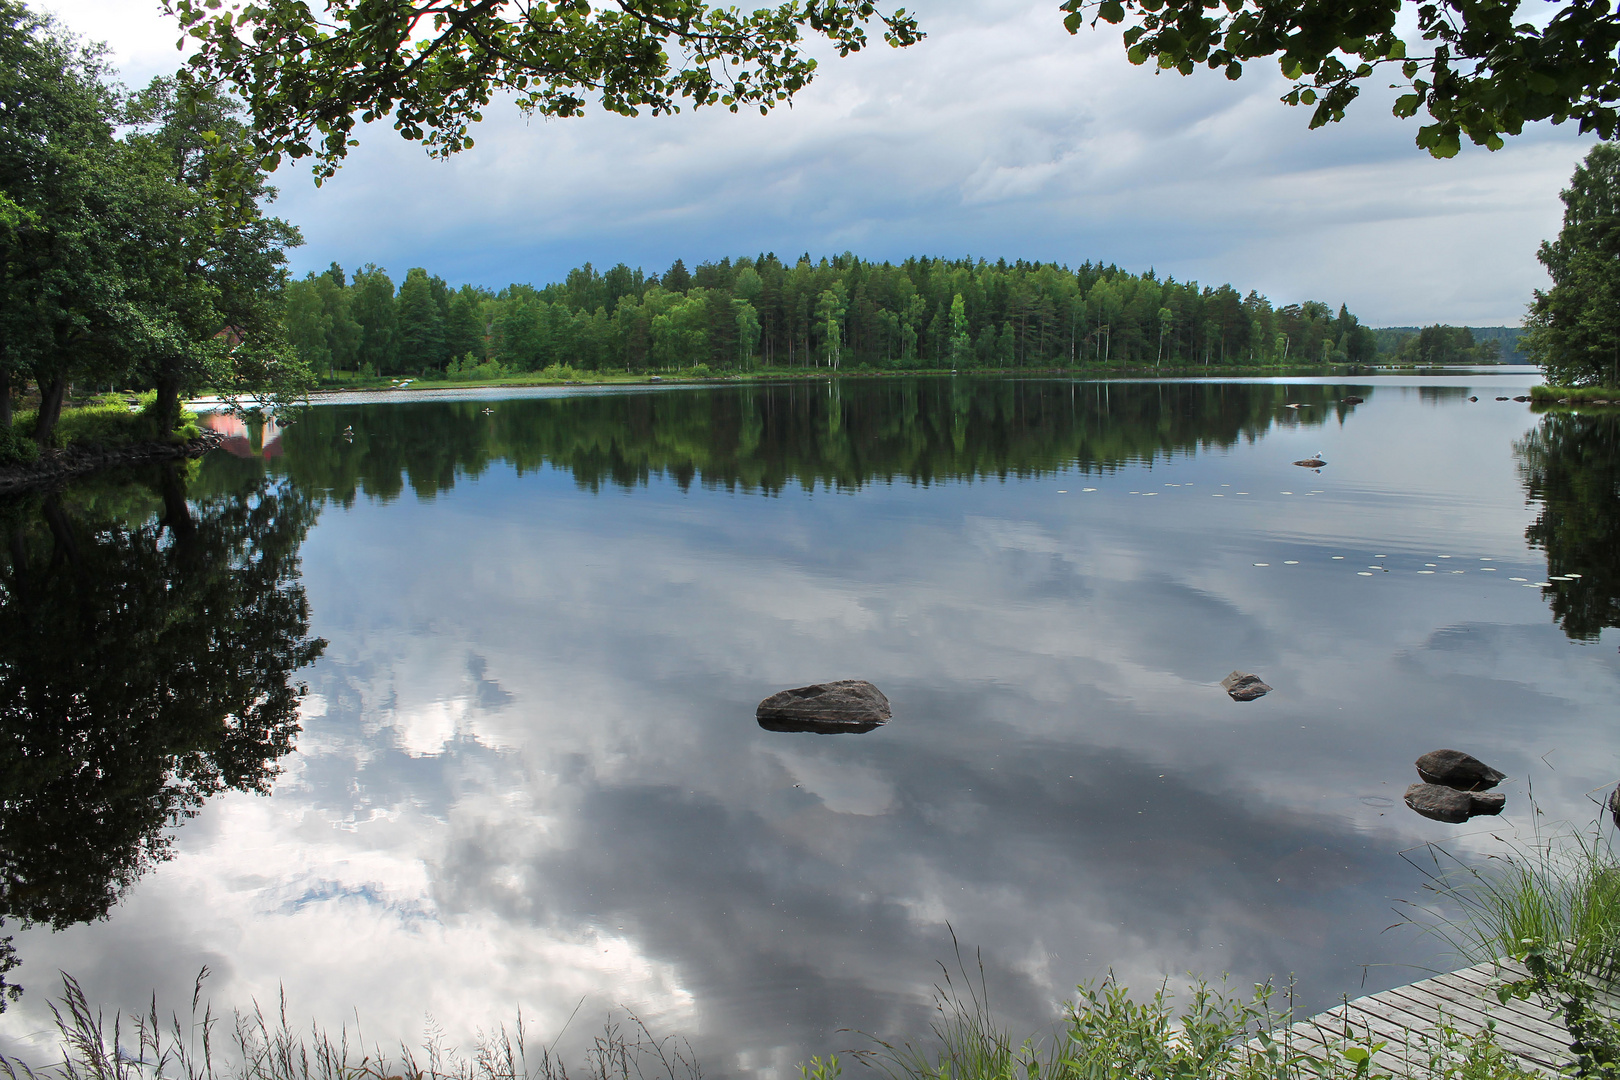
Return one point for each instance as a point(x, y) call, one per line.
point(534, 775)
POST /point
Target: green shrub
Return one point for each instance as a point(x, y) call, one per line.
point(104, 425)
point(700, 371)
point(560, 372)
point(470, 367)
point(17, 449)
point(108, 423)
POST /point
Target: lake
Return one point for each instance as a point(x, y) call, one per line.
point(534, 628)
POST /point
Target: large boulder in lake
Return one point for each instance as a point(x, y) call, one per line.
point(1455, 769)
point(1245, 687)
point(1448, 804)
point(830, 708)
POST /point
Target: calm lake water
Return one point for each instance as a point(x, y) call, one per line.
point(528, 771)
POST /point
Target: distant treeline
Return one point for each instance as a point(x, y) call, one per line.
point(1441, 344)
point(843, 312)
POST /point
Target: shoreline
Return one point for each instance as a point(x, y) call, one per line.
point(70, 463)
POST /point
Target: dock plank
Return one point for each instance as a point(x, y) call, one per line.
point(1407, 1019)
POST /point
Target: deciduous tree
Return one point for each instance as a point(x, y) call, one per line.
point(1477, 69)
point(1573, 328)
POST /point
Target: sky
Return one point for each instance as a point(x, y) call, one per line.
point(999, 136)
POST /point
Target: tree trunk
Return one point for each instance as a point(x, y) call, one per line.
point(5, 399)
point(50, 407)
point(167, 406)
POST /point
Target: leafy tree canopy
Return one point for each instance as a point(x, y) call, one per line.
point(308, 70)
point(1573, 329)
point(1478, 68)
point(134, 246)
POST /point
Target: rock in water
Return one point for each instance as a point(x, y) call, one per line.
point(1312, 463)
point(1455, 769)
point(1448, 804)
point(1614, 805)
point(849, 705)
point(1352, 400)
point(1245, 687)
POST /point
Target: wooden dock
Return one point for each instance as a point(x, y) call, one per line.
point(1407, 1018)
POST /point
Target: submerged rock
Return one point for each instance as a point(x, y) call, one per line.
point(848, 705)
point(1455, 769)
point(1245, 687)
point(1311, 463)
point(1448, 804)
point(1522, 397)
point(1352, 400)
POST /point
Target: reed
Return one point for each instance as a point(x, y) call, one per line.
point(254, 1045)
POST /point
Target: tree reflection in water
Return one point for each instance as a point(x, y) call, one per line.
point(148, 644)
point(1571, 465)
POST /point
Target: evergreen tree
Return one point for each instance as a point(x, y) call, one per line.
point(463, 326)
point(676, 278)
point(420, 323)
point(372, 301)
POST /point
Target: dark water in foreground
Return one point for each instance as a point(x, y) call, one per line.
point(528, 771)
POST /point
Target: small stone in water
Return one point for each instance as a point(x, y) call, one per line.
point(848, 705)
point(1242, 686)
point(1455, 769)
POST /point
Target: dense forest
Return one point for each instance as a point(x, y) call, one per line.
point(1441, 344)
point(836, 313)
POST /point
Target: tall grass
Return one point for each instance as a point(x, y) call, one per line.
point(1560, 887)
point(257, 1046)
point(1213, 1034)
point(107, 423)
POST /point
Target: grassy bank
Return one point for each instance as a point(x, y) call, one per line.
point(1574, 395)
point(104, 423)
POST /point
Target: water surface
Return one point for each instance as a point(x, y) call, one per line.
point(529, 772)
